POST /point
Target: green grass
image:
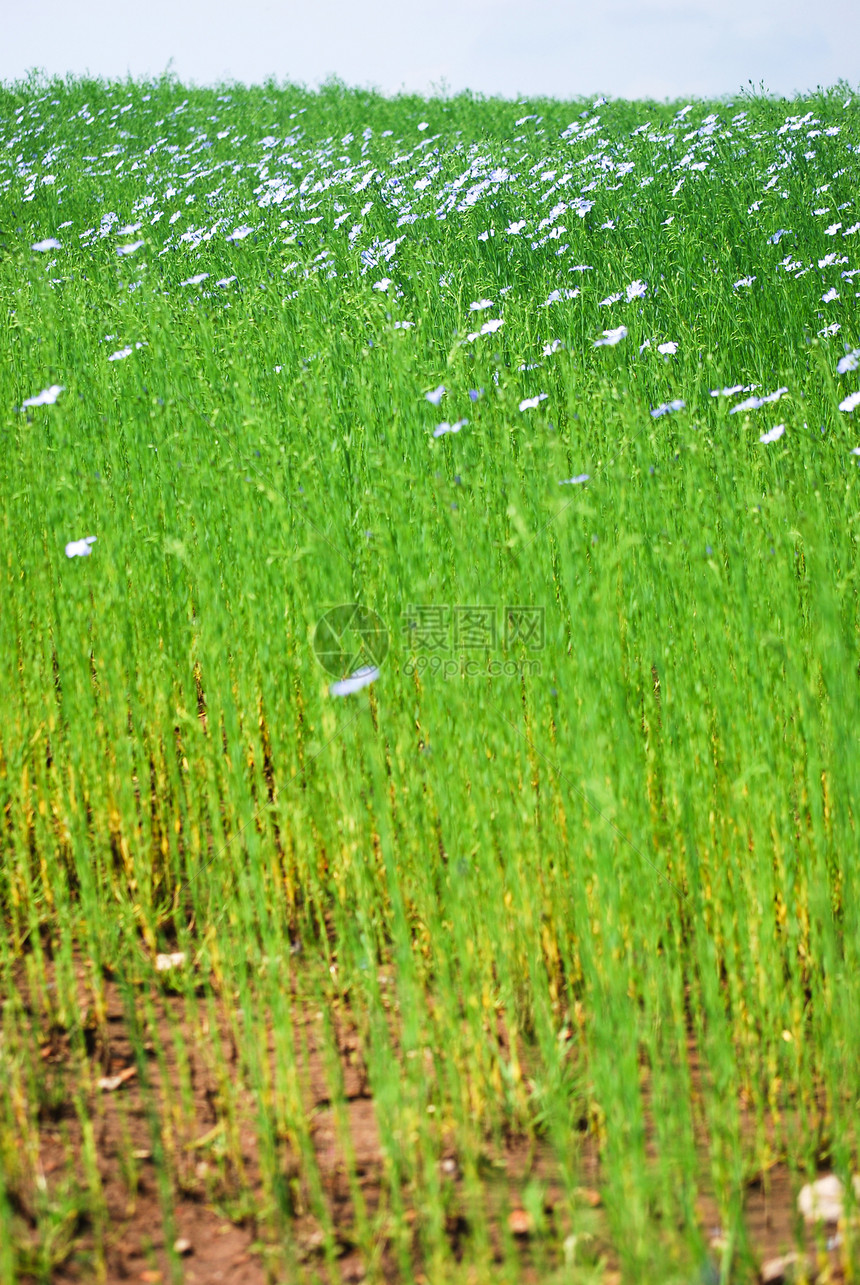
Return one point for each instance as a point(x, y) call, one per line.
point(635, 847)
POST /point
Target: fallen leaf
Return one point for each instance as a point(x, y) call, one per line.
point(207, 1138)
point(589, 1196)
point(109, 1083)
point(777, 1269)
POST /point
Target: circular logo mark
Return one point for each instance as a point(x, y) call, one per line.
point(350, 638)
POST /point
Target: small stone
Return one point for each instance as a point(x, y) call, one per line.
point(823, 1199)
point(183, 1246)
point(164, 963)
point(519, 1222)
point(311, 1243)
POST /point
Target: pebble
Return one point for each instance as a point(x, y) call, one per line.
point(823, 1199)
point(519, 1222)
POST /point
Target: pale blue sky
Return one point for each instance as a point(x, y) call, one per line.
point(564, 48)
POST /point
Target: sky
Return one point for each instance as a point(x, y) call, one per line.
point(512, 48)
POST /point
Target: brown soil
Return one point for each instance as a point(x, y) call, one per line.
point(216, 1200)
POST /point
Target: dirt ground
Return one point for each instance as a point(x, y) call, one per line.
point(216, 1231)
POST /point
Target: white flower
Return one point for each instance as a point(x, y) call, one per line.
point(550, 348)
point(753, 403)
point(848, 403)
point(610, 298)
point(122, 353)
point(513, 229)
point(225, 281)
point(832, 294)
point(529, 403)
point(383, 284)
point(129, 249)
point(558, 295)
point(488, 328)
point(574, 481)
point(667, 407)
point(848, 362)
point(80, 548)
point(403, 325)
point(46, 397)
point(485, 236)
point(744, 281)
point(424, 125)
point(670, 347)
point(636, 290)
point(50, 243)
point(773, 434)
point(239, 234)
point(735, 388)
point(441, 429)
point(480, 305)
point(195, 281)
point(436, 396)
point(361, 678)
point(611, 337)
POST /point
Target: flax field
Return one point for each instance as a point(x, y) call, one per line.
point(430, 686)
